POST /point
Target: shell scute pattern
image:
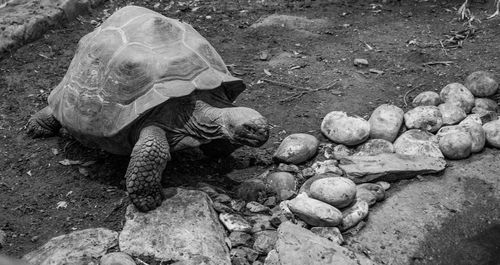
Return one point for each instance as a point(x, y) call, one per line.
point(136, 60)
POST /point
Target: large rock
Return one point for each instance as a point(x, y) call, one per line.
point(344, 129)
point(477, 133)
point(427, 118)
point(389, 167)
point(78, 248)
point(315, 212)
point(374, 147)
point(492, 131)
point(385, 122)
point(459, 95)
point(481, 84)
point(283, 184)
point(426, 98)
point(299, 246)
point(297, 148)
point(455, 141)
point(451, 113)
point(336, 191)
point(184, 228)
point(418, 143)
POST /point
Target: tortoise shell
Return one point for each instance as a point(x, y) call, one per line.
point(136, 60)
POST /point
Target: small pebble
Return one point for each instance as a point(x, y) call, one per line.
point(240, 239)
point(265, 240)
point(222, 198)
point(308, 172)
point(260, 222)
point(256, 207)
point(235, 222)
point(288, 168)
point(326, 166)
point(271, 201)
point(222, 208)
point(237, 205)
point(360, 62)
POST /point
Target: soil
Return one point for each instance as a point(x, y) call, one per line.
point(41, 198)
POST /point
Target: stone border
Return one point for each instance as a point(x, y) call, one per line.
point(23, 21)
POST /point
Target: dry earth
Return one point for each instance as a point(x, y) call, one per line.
point(449, 219)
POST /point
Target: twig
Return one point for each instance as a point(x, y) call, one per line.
point(406, 94)
point(300, 94)
point(278, 83)
point(444, 49)
point(438, 62)
point(141, 262)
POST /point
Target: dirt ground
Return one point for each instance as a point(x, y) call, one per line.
point(41, 198)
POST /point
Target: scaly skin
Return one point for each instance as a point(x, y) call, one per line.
point(43, 124)
point(148, 160)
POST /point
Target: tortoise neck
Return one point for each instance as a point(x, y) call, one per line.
point(208, 119)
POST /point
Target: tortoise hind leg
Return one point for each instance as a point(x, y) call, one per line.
point(148, 160)
point(43, 124)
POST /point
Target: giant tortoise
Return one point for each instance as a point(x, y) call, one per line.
point(146, 85)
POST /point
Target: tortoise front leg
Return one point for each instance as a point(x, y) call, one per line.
point(148, 160)
point(43, 124)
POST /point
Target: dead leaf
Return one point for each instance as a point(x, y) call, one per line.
point(267, 72)
point(62, 204)
point(67, 162)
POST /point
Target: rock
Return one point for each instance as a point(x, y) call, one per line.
point(473, 118)
point(451, 113)
point(482, 105)
point(426, 98)
point(360, 62)
point(427, 118)
point(240, 239)
point(299, 246)
point(476, 132)
point(306, 186)
point(183, 228)
point(374, 147)
point(366, 196)
point(256, 207)
point(283, 184)
point(272, 258)
point(315, 212)
point(492, 132)
point(374, 188)
point(209, 191)
point(455, 142)
point(385, 185)
point(389, 167)
point(327, 166)
point(481, 84)
point(271, 201)
point(235, 222)
point(222, 208)
point(417, 143)
point(459, 95)
point(251, 190)
point(336, 191)
point(343, 129)
point(222, 198)
point(340, 151)
point(354, 214)
point(264, 241)
point(331, 233)
point(250, 254)
point(79, 248)
point(296, 148)
point(288, 168)
point(260, 222)
point(117, 258)
point(237, 205)
point(385, 122)
point(308, 172)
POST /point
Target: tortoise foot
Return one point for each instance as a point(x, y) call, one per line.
point(148, 159)
point(42, 124)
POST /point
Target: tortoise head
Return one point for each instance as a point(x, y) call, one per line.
point(246, 126)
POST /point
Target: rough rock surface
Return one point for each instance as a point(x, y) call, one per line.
point(389, 167)
point(299, 246)
point(117, 258)
point(184, 228)
point(23, 21)
point(385, 122)
point(78, 248)
point(417, 142)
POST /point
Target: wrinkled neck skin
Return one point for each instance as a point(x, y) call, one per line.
point(188, 116)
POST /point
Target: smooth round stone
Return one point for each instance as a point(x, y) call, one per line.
point(366, 195)
point(427, 118)
point(336, 191)
point(418, 143)
point(455, 142)
point(426, 98)
point(374, 147)
point(297, 148)
point(476, 132)
point(481, 84)
point(283, 184)
point(385, 122)
point(315, 212)
point(459, 95)
point(374, 188)
point(492, 131)
point(451, 113)
point(385, 185)
point(306, 186)
point(354, 214)
point(343, 129)
point(117, 258)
